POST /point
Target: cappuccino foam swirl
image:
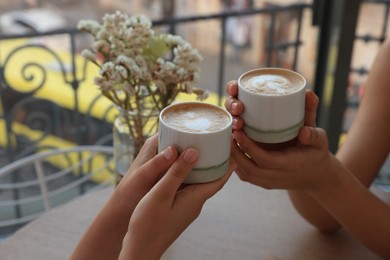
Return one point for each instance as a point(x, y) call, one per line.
point(269, 85)
point(196, 119)
point(272, 83)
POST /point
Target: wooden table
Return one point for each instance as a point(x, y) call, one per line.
point(241, 222)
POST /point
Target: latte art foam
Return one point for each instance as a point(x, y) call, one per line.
point(196, 119)
point(269, 84)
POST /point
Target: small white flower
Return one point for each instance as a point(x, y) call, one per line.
point(101, 45)
point(105, 85)
point(136, 71)
point(107, 69)
point(89, 55)
point(89, 26)
point(121, 71)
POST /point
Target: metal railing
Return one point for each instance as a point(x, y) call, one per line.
point(47, 186)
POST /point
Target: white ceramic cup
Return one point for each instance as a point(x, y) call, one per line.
point(213, 145)
point(274, 104)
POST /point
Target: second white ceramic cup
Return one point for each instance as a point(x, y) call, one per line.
point(273, 118)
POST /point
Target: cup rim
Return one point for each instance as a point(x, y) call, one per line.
point(271, 68)
point(196, 103)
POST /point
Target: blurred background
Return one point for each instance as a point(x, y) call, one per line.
point(48, 98)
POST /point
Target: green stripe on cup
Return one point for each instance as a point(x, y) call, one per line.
point(273, 136)
point(207, 174)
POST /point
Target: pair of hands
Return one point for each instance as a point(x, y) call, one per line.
point(156, 208)
point(300, 167)
point(162, 209)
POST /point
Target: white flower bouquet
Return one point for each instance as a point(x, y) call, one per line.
point(140, 71)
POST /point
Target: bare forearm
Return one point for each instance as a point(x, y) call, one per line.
point(307, 206)
point(103, 238)
point(362, 214)
point(346, 202)
point(312, 211)
point(130, 250)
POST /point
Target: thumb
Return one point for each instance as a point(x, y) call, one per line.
point(313, 136)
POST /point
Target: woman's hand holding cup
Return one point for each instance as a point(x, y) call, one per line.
point(288, 168)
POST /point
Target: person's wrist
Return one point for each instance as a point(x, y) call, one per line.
point(134, 248)
point(333, 180)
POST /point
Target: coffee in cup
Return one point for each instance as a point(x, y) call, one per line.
point(202, 126)
point(274, 101)
point(195, 118)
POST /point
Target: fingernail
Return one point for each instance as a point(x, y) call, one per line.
point(235, 122)
point(169, 153)
point(230, 84)
point(234, 107)
point(190, 156)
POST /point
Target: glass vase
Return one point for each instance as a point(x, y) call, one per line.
point(130, 131)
